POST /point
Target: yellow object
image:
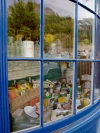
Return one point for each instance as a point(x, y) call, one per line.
point(12, 88)
point(47, 94)
point(49, 38)
point(28, 86)
point(45, 102)
point(85, 102)
point(62, 99)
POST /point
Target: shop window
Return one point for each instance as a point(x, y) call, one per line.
point(85, 34)
point(63, 66)
point(58, 90)
point(24, 94)
point(59, 29)
point(84, 84)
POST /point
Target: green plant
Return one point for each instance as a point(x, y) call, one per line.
point(23, 19)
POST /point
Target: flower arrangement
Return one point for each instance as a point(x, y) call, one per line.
point(49, 38)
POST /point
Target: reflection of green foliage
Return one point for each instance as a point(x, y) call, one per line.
point(49, 38)
point(55, 24)
point(61, 27)
point(85, 31)
point(86, 41)
point(23, 19)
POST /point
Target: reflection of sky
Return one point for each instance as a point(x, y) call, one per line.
point(62, 7)
point(88, 3)
point(11, 2)
point(82, 13)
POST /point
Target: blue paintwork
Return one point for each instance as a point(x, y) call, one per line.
point(42, 68)
point(83, 127)
point(75, 55)
point(4, 82)
point(0, 71)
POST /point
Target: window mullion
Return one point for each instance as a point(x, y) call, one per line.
point(41, 67)
point(75, 56)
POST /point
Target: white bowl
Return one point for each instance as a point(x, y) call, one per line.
point(30, 111)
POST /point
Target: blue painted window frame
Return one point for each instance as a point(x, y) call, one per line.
point(4, 104)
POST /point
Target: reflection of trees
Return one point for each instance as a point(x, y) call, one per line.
point(60, 27)
point(23, 20)
point(55, 24)
point(85, 31)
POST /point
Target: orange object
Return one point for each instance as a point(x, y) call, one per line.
point(34, 101)
point(64, 64)
point(12, 95)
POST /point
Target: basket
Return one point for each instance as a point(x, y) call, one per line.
point(24, 100)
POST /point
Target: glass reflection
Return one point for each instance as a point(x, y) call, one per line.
point(58, 90)
point(89, 3)
point(84, 84)
point(24, 94)
point(97, 81)
point(23, 28)
point(98, 39)
point(58, 29)
point(85, 34)
point(98, 7)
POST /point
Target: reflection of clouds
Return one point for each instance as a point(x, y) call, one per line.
point(64, 7)
point(11, 2)
point(88, 3)
point(98, 7)
point(82, 13)
point(61, 7)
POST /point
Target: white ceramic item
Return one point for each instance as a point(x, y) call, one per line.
point(28, 48)
point(30, 111)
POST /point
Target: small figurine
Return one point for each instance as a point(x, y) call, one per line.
point(69, 89)
point(58, 85)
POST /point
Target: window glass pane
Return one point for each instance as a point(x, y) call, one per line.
point(97, 81)
point(98, 7)
point(89, 3)
point(98, 39)
point(58, 29)
point(23, 28)
point(84, 84)
point(24, 94)
point(85, 33)
point(58, 90)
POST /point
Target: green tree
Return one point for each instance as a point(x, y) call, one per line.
point(23, 19)
point(55, 24)
point(61, 27)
